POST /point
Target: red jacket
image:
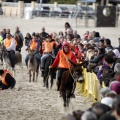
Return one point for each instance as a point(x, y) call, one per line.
point(57, 60)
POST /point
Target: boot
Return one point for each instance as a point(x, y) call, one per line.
point(42, 72)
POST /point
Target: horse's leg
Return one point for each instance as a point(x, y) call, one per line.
point(33, 76)
point(37, 72)
point(52, 77)
point(29, 75)
point(68, 97)
point(21, 67)
point(64, 98)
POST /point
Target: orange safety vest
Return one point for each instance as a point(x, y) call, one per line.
point(48, 46)
point(7, 42)
point(63, 63)
point(3, 78)
point(33, 45)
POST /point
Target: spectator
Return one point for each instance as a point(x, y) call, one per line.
point(17, 31)
point(116, 111)
point(115, 86)
point(96, 37)
point(88, 116)
point(108, 45)
point(111, 94)
point(107, 101)
point(43, 34)
point(107, 117)
point(75, 35)
point(104, 91)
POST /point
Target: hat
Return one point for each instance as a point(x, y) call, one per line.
point(115, 86)
point(107, 101)
point(84, 42)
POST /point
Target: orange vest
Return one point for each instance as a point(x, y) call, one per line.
point(7, 42)
point(48, 46)
point(63, 63)
point(33, 45)
point(3, 78)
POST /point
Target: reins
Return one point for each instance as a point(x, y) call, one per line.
point(70, 69)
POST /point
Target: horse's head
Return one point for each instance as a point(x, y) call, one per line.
point(77, 71)
point(5, 53)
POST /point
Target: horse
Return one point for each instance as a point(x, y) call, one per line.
point(69, 79)
point(33, 66)
point(6, 60)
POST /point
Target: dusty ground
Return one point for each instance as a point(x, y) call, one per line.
point(33, 101)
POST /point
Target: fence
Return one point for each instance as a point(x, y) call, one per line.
point(90, 89)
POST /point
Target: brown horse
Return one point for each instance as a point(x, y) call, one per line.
point(69, 79)
point(33, 66)
point(6, 60)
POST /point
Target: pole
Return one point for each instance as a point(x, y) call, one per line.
point(107, 2)
point(40, 4)
point(86, 14)
point(102, 2)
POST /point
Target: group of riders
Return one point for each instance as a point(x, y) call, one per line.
point(64, 47)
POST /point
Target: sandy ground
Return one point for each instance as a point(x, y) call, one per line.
point(33, 101)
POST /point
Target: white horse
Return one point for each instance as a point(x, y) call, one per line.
point(7, 63)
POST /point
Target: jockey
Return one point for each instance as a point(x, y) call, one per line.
point(62, 63)
point(7, 80)
point(47, 48)
point(10, 46)
point(34, 46)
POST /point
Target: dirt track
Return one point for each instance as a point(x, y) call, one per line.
point(33, 101)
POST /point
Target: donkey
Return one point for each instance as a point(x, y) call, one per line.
point(6, 60)
point(69, 79)
point(33, 66)
point(51, 72)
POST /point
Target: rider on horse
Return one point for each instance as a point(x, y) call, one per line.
point(47, 47)
point(35, 47)
point(61, 61)
point(10, 45)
